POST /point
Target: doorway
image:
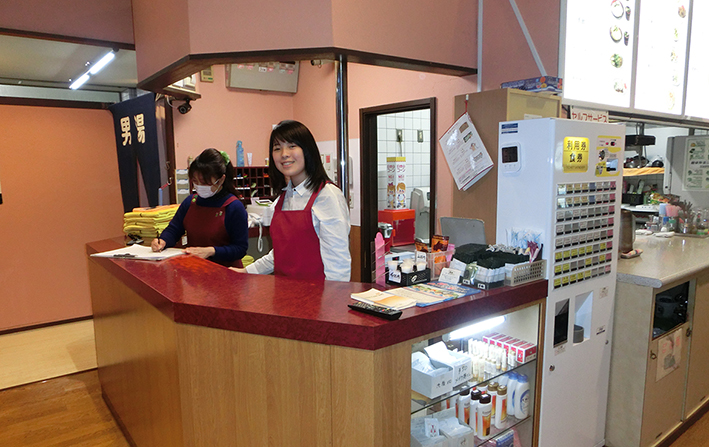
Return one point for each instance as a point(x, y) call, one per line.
point(404, 130)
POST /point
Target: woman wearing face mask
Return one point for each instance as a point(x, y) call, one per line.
point(311, 219)
point(214, 219)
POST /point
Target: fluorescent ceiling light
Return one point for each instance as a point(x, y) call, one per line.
point(95, 68)
point(477, 328)
point(79, 82)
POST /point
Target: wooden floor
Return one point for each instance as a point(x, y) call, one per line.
point(62, 412)
point(69, 412)
point(48, 352)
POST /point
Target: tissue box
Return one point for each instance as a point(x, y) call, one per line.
point(432, 385)
point(462, 367)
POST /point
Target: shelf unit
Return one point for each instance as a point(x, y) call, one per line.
point(632, 172)
point(253, 181)
point(523, 324)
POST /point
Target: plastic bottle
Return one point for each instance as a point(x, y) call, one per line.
point(464, 406)
point(501, 407)
point(492, 391)
point(511, 388)
point(475, 396)
point(521, 397)
point(484, 416)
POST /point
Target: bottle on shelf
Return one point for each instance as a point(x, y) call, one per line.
point(484, 416)
point(492, 391)
point(511, 388)
point(463, 408)
point(501, 407)
point(522, 397)
point(475, 396)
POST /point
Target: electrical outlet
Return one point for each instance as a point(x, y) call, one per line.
point(419, 136)
point(399, 135)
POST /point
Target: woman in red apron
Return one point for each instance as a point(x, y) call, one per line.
point(215, 221)
point(311, 220)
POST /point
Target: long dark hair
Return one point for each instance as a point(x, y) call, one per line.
point(290, 131)
point(212, 163)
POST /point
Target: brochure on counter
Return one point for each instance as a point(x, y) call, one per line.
point(417, 295)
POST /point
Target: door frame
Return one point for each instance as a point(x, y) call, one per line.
point(369, 175)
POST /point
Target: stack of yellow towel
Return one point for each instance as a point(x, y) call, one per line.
point(148, 222)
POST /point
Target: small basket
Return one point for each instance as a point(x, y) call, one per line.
point(526, 272)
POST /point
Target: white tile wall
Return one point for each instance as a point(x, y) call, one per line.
point(418, 155)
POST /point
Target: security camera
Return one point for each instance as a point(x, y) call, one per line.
point(184, 108)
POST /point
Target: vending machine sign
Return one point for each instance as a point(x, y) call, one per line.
point(575, 154)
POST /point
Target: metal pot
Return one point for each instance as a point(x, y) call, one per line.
point(627, 231)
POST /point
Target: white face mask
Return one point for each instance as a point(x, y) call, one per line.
point(204, 191)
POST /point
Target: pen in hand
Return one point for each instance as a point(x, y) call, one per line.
point(157, 244)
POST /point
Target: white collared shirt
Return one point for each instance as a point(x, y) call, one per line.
point(331, 221)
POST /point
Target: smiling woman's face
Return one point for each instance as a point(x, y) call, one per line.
point(290, 161)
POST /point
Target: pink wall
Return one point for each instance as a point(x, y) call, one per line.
point(109, 20)
point(315, 105)
point(162, 34)
point(506, 55)
point(372, 86)
point(442, 32)
point(435, 31)
point(222, 116)
point(244, 25)
point(60, 190)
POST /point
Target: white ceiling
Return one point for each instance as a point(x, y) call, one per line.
point(37, 62)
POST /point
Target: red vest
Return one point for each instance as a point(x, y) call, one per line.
point(205, 228)
point(296, 246)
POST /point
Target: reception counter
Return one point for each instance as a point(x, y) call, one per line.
point(657, 392)
point(193, 354)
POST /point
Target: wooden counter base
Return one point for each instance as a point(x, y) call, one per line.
point(172, 384)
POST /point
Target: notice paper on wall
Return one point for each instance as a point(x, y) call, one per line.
point(465, 153)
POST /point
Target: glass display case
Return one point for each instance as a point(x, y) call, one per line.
point(452, 371)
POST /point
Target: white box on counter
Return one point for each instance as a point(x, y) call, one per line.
point(462, 365)
point(431, 384)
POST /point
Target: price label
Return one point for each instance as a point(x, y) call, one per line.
point(395, 276)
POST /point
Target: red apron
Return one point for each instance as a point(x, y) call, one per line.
point(205, 228)
point(296, 246)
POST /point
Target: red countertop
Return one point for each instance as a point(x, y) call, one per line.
point(195, 291)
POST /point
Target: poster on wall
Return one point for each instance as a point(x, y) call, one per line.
point(695, 176)
point(598, 55)
point(662, 52)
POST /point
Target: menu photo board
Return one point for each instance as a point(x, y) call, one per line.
point(598, 51)
point(698, 67)
point(662, 50)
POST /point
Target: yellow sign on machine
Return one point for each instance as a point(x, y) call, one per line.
point(575, 154)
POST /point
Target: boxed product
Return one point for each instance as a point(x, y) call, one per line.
point(540, 84)
point(525, 351)
point(459, 434)
point(408, 279)
point(441, 357)
point(431, 381)
point(419, 438)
